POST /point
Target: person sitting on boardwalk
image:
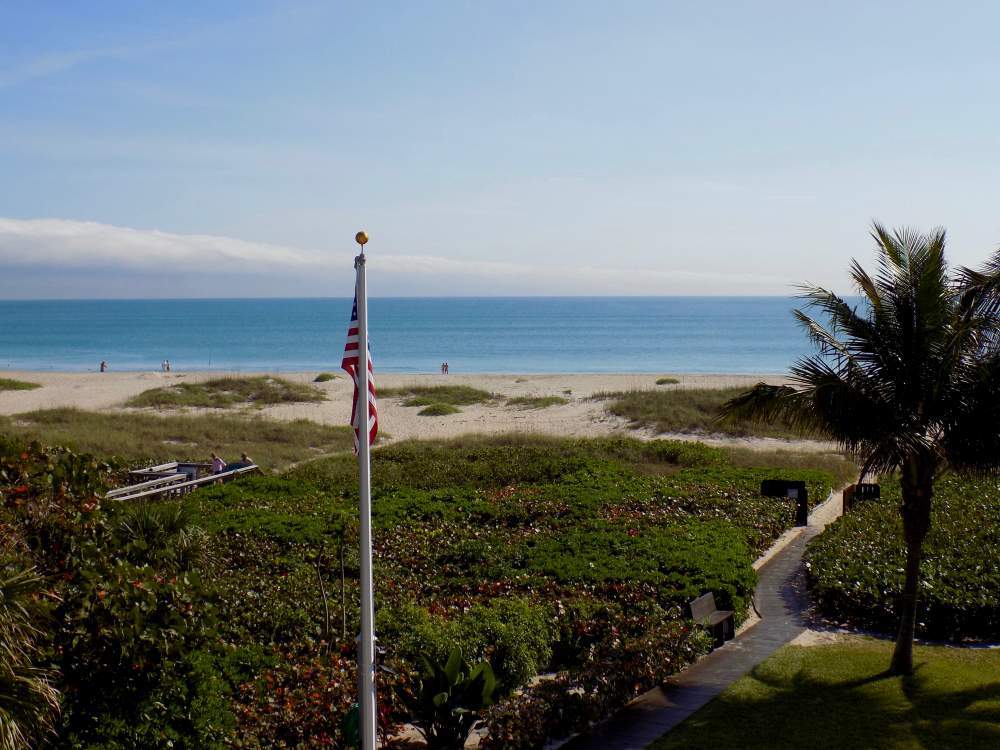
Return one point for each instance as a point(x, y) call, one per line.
point(245, 460)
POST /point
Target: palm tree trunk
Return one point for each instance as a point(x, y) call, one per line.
point(917, 490)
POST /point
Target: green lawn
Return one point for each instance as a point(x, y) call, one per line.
point(8, 384)
point(838, 696)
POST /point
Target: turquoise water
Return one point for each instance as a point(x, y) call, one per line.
point(525, 334)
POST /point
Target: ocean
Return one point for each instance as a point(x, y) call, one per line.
point(493, 334)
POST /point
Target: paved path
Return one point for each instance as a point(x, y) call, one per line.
point(781, 599)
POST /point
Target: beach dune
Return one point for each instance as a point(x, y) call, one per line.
point(582, 416)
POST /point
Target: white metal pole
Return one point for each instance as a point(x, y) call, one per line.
point(366, 640)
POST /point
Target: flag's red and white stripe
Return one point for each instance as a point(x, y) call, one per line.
point(351, 363)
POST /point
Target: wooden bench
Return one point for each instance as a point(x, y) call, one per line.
point(720, 622)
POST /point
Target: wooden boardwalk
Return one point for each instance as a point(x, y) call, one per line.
point(175, 479)
point(781, 599)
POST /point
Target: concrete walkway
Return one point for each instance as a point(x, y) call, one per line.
point(781, 599)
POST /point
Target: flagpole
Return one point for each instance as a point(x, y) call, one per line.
point(366, 639)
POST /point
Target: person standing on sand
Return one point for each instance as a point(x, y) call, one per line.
point(218, 465)
point(104, 366)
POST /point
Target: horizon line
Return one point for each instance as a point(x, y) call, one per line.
point(406, 296)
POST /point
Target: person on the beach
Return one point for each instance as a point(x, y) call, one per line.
point(445, 368)
point(218, 465)
point(442, 368)
point(104, 366)
point(167, 363)
point(163, 366)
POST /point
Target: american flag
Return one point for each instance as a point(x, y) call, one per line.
point(350, 364)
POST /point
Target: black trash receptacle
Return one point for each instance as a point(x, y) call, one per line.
point(792, 489)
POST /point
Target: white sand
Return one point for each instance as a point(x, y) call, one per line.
point(581, 417)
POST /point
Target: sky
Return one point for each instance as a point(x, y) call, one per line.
point(232, 149)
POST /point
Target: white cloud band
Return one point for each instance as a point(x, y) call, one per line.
point(65, 244)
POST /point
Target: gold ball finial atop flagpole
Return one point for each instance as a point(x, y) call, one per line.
point(361, 238)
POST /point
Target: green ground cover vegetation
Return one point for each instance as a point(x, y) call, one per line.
point(324, 377)
point(227, 393)
point(690, 410)
point(667, 381)
point(137, 437)
point(855, 568)
point(536, 554)
point(536, 402)
point(840, 697)
point(9, 384)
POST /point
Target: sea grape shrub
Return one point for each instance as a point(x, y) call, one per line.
point(130, 635)
point(855, 568)
point(301, 700)
point(619, 670)
point(513, 635)
point(51, 473)
point(682, 560)
point(134, 646)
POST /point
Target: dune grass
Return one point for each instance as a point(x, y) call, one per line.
point(324, 377)
point(8, 384)
point(438, 410)
point(138, 437)
point(839, 466)
point(839, 696)
point(692, 410)
point(667, 381)
point(426, 395)
point(226, 393)
point(536, 402)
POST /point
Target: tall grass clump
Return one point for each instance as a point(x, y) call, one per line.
point(694, 410)
point(225, 393)
point(140, 436)
point(536, 402)
point(438, 410)
point(425, 395)
point(9, 384)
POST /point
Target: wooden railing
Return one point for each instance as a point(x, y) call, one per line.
point(175, 488)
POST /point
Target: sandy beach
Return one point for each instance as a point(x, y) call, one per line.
point(581, 417)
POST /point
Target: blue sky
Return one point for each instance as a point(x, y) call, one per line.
point(233, 149)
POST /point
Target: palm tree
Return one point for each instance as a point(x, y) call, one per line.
point(28, 701)
point(908, 382)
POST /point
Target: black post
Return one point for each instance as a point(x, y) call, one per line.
point(802, 510)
